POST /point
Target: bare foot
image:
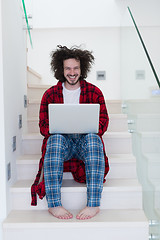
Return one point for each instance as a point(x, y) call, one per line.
point(87, 213)
point(60, 212)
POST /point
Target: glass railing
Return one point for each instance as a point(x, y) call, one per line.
point(141, 102)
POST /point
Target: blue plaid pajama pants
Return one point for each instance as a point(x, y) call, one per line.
point(60, 148)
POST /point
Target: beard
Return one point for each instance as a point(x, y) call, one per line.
point(72, 83)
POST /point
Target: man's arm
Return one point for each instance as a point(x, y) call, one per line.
point(43, 116)
point(104, 118)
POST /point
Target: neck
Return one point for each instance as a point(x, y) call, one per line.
point(70, 86)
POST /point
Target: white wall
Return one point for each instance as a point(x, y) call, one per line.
point(105, 29)
point(133, 58)
point(104, 42)
point(2, 138)
point(145, 12)
point(73, 13)
point(12, 89)
point(89, 13)
point(117, 50)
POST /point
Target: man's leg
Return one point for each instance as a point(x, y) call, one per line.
point(56, 153)
point(95, 167)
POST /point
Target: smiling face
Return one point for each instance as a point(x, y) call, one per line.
point(72, 72)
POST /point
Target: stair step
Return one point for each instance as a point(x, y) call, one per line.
point(121, 166)
point(150, 142)
point(158, 213)
point(38, 86)
point(156, 192)
point(33, 76)
point(117, 194)
point(33, 108)
point(153, 165)
point(115, 224)
point(118, 142)
point(145, 122)
point(113, 107)
point(117, 123)
point(142, 106)
point(36, 90)
point(30, 70)
point(115, 142)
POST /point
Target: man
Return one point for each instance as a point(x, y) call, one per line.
point(82, 154)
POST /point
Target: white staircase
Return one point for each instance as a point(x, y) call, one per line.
point(121, 215)
point(144, 119)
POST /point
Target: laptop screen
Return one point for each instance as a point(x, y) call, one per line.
point(73, 118)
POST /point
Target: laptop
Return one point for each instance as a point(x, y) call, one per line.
point(73, 118)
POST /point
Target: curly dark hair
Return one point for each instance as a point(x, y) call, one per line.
point(62, 53)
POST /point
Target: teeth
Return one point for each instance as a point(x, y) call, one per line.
point(72, 76)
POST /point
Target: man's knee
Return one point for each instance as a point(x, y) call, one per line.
point(93, 139)
point(56, 140)
point(94, 151)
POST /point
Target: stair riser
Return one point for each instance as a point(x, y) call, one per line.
point(31, 146)
point(118, 125)
point(33, 78)
point(115, 125)
point(122, 170)
point(118, 145)
point(77, 200)
point(33, 127)
point(145, 124)
point(154, 170)
point(113, 107)
point(121, 231)
point(35, 93)
point(146, 107)
point(117, 170)
point(33, 110)
point(151, 144)
point(112, 145)
point(157, 202)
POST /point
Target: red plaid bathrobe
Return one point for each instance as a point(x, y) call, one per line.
point(89, 94)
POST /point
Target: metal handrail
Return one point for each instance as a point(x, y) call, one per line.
point(145, 49)
point(28, 27)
